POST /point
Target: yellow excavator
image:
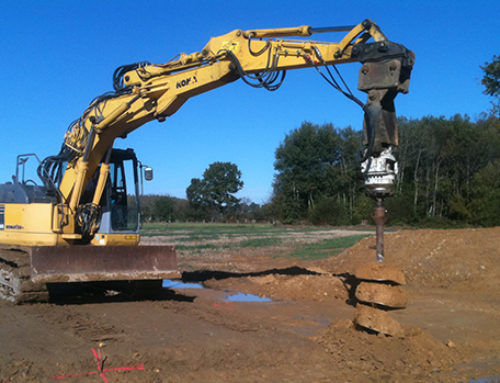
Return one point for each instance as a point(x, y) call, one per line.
point(77, 225)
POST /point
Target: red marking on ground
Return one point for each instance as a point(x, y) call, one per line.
point(223, 307)
point(100, 369)
point(100, 364)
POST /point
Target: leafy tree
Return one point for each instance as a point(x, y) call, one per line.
point(491, 80)
point(222, 180)
point(485, 206)
point(439, 161)
point(330, 211)
point(196, 194)
point(251, 212)
point(301, 162)
point(317, 163)
point(164, 209)
point(214, 193)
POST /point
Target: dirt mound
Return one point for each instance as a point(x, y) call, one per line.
point(317, 288)
point(415, 356)
point(432, 258)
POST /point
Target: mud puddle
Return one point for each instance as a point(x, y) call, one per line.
point(242, 297)
point(491, 379)
point(171, 284)
point(233, 297)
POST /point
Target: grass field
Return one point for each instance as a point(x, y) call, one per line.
point(302, 242)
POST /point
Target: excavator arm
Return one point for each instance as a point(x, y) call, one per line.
point(145, 92)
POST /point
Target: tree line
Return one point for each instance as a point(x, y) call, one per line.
point(449, 172)
point(163, 208)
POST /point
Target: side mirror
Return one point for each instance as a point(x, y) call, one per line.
point(148, 173)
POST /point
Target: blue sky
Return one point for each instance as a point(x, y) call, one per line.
point(58, 55)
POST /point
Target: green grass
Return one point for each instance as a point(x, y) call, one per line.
point(253, 242)
point(197, 237)
point(260, 242)
point(192, 231)
point(202, 246)
point(247, 236)
point(327, 247)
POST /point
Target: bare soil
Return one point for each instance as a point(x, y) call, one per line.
point(451, 330)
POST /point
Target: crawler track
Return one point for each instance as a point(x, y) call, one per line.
point(15, 278)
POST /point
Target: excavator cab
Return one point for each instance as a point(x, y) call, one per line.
point(120, 219)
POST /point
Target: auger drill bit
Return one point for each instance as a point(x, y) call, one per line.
point(380, 219)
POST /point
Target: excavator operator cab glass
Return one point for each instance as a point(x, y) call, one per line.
point(123, 216)
point(120, 199)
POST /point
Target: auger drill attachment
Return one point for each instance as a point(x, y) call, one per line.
point(385, 72)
